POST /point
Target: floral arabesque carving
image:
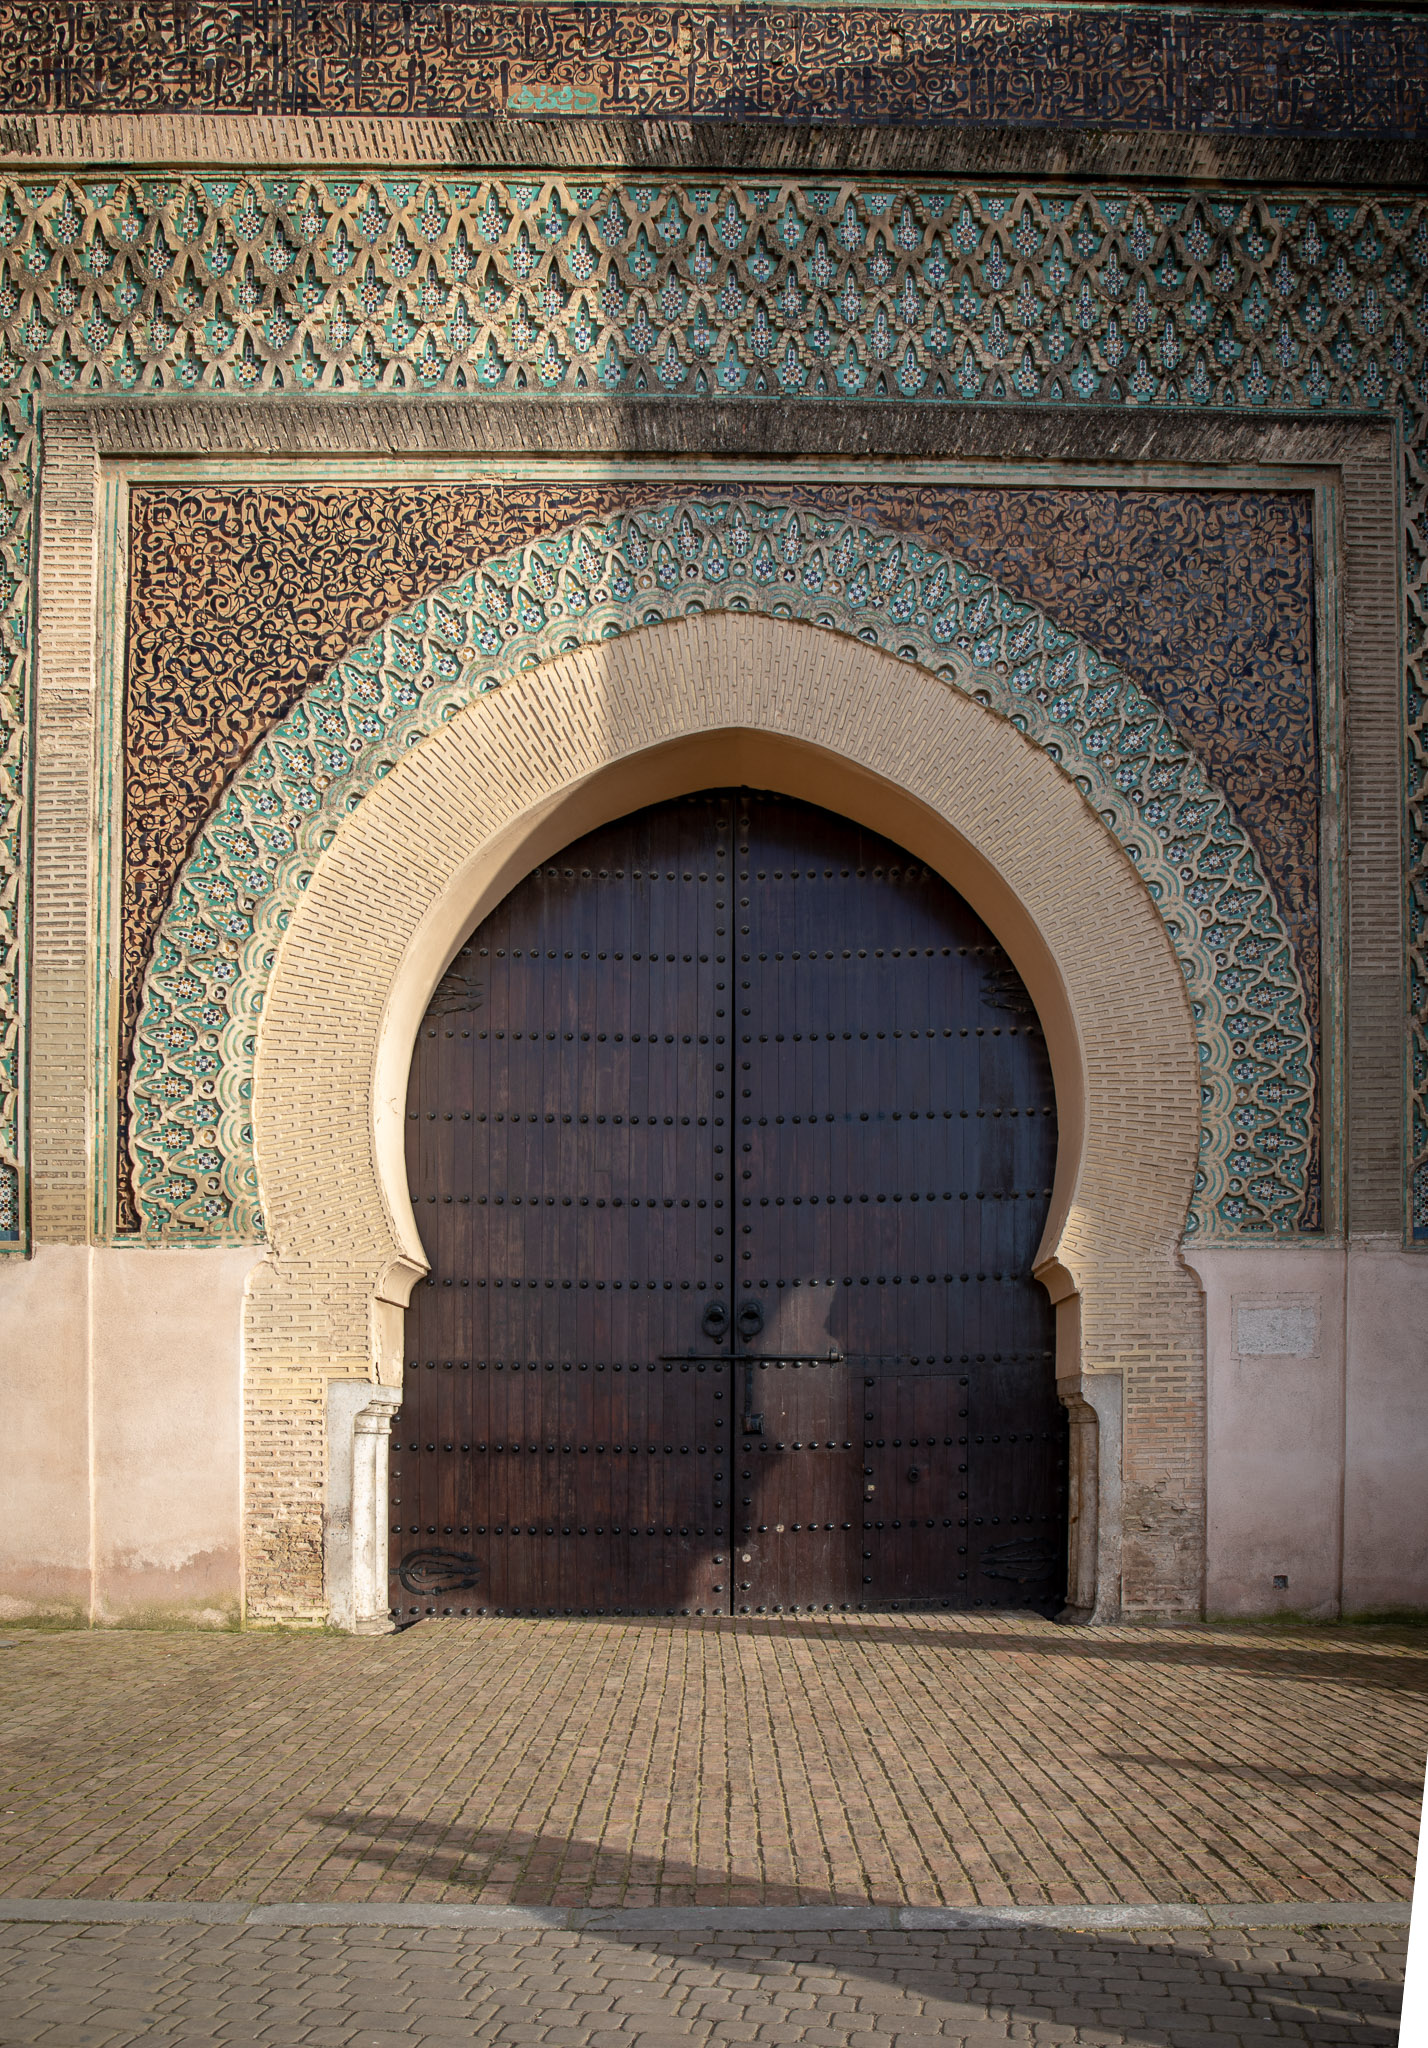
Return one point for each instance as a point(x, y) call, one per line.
point(192, 1141)
point(238, 595)
point(904, 289)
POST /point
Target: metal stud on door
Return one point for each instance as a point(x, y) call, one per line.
point(896, 1142)
point(730, 1136)
point(567, 1154)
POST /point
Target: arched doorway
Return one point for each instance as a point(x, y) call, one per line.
point(506, 784)
point(730, 1135)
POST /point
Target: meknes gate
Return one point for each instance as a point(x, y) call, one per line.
point(713, 784)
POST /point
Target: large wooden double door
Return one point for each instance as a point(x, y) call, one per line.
point(730, 1136)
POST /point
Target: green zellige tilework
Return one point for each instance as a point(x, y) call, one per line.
point(926, 293)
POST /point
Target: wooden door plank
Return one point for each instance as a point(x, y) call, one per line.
point(869, 1119)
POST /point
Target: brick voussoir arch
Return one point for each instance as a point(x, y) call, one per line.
point(516, 774)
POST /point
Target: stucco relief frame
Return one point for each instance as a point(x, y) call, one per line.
point(710, 480)
point(725, 564)
point(88, 449)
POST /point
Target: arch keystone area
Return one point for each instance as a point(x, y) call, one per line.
point(516, 775)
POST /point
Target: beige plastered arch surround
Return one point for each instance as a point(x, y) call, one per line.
point(589, 736)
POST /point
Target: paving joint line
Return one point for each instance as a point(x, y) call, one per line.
point(713, 1920)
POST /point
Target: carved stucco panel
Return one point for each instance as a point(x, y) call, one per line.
point(200, 1022)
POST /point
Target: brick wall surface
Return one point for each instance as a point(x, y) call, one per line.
point(1374, 1006)
point(65, 711)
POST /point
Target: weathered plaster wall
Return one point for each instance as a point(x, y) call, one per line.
point(45, 1538)
point(121, 1377)
point(1317, 1429)
point(1386, 1429)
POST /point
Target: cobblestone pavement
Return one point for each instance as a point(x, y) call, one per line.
point(383, 1988)
point(929, 1759)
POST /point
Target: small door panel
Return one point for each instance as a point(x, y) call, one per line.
point(797, 1495)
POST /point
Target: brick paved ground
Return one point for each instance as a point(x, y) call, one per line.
point(67, 1987)
point(927, 1759)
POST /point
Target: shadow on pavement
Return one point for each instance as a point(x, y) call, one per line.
point(450, 1862)
point(264, 1986)
point(1355, 1784)
point(1162, 1991)
point(1192, 1645)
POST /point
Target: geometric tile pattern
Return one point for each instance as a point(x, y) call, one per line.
point(925, 291)
point(191, 1133)
point(238, 594)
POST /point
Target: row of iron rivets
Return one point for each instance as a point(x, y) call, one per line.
point(635, 1286)
point(864, 1116)
point(893, 1115)
point(566, 1365)
point(765, 1446)
point(568, 1449)
point(869, 1443)
point(651, 1529)
point(702, 1038)
point(931, 1442)
point(777, 1201)
point(688, 875)
point(826, 1606)
point(961, 1522)
point(571, 1117)
point(654, 959)
point(948, 1195)
point(634, 1450)
point(809, 953)
point(815, 1037)
point(691, 1361)
point(684, 1364)
point(536, 1529)
point(717, 1365)
point(686, 1038)
point(778, 1037)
